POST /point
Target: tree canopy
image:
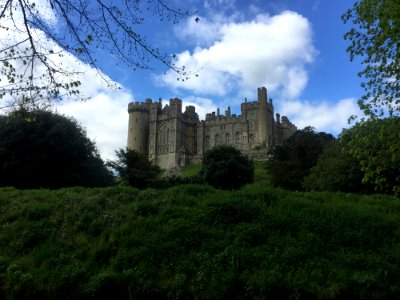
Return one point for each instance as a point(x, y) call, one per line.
point(375, 144)
point(375, 39)
point(291, 162)
point(45, 149)
point(227, 168)
point(37, 34)
point(336, 170)
point(134, 168)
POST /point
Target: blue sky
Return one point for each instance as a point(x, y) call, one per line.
point(293, 47)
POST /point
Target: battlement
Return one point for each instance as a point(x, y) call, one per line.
point(175, 101)
point(220, 119)
point(139, 106)
point(190, 109)
point(285, 120)
point(248, 106)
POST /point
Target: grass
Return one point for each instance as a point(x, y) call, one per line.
point(190, 170)
point(193, 241)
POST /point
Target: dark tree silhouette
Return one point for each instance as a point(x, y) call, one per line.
point(134, 168)
point(45, 149)
point(291, 162)
point(227, 168)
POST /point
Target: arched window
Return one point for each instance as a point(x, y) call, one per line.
point(252, 125)
point(237, 137)
point(251, 138)
point(163, 135)
point(227, 138)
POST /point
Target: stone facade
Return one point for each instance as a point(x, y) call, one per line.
point(172, 138)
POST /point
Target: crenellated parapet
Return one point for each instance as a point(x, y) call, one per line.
point(139, 106)
point(285, 120)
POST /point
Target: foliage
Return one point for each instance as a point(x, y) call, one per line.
point(134, 168)
point(375, 144)
point(39, 35)
point(291, 162)
point(191, 170)
point(194, 242)
point(375, 38)
point(45, 149)
point(336, 170)
point(227, 168)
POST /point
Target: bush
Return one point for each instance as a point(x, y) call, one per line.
point(291, 162)
point(226, 168)
point(134, 168)
point(375, 144)
point(335, 171)
point(48, 150)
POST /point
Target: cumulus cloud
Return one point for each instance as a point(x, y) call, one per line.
point(270, 50)
point(202, 105)
point(105, 119)
point(324, 116)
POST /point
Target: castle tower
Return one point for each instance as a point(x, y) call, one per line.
point(262, 115)
point(175, 131)
point(138, 126)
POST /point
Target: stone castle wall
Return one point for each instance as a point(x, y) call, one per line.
point(170, 137)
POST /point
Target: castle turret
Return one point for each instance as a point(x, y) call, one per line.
point(138, 128)
point(262, 115)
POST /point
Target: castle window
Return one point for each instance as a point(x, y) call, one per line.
point(227, 138)
point(208, 142)
point(167, 136)
point(217, 140)
point(252, 125)
point(237, 137)
point(163, 135)
point(251, 137)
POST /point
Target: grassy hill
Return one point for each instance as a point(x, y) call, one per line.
point(195, 242)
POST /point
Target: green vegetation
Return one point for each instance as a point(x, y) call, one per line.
point(193, 241)
point(190, 170)
point(134, 169)
point(374, 38)
point(290, 163)
point(44, 149)
point(225, 167)
point(336, 170)
point(365, 159)
point(375, 144)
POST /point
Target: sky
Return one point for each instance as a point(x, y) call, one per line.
point(295, 48)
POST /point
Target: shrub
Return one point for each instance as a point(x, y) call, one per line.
point(134, 168)
point(335, 171)
point(44, 149)
point(291, 162)
point(226, 168)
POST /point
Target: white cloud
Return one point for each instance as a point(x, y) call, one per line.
point(203, 105)
point(105, 119)
point(268, 51)
point(324, 116)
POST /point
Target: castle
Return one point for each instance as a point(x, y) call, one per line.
point(172, 138)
